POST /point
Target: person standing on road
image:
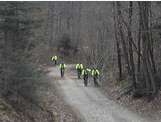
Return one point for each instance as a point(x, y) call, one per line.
point(54, 58)
point(85, 74)
point(79, 68)
point(95, 74)
point(62, 67)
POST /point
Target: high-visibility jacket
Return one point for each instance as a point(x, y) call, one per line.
point(79, 66)
point(62, 66)
point(89, 70)
point(54, 58)
point(95, 72)
point(84, 72)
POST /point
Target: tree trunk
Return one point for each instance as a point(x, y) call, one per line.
point(151, 43)
point(132, 69)
point(120, 28)
point(117, 44)
point(139, 45)
point(150, 83)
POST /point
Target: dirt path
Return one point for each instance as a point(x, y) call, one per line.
point(90, 102)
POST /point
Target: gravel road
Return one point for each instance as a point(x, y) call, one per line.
point(89, 102)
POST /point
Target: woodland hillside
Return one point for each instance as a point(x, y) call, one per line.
point(121, 39)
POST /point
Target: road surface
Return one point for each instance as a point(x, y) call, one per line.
point(89, 102)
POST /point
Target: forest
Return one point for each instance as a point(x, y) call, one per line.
point(121, 39)
point(117, 37)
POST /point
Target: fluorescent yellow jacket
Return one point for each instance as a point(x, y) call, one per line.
point(62, 66)
point(81, 66)
point(84, 72)
point(77, 66)
point(95, 72)
point(89, 70)
point(54, 58)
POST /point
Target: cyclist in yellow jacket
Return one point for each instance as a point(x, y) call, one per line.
point(79, 68)
point(95, 74)
point(54, 58)
point(89, 71)
point(85, 73)
point(62, 67)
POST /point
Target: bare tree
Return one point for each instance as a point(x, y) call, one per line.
point(117, 42)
